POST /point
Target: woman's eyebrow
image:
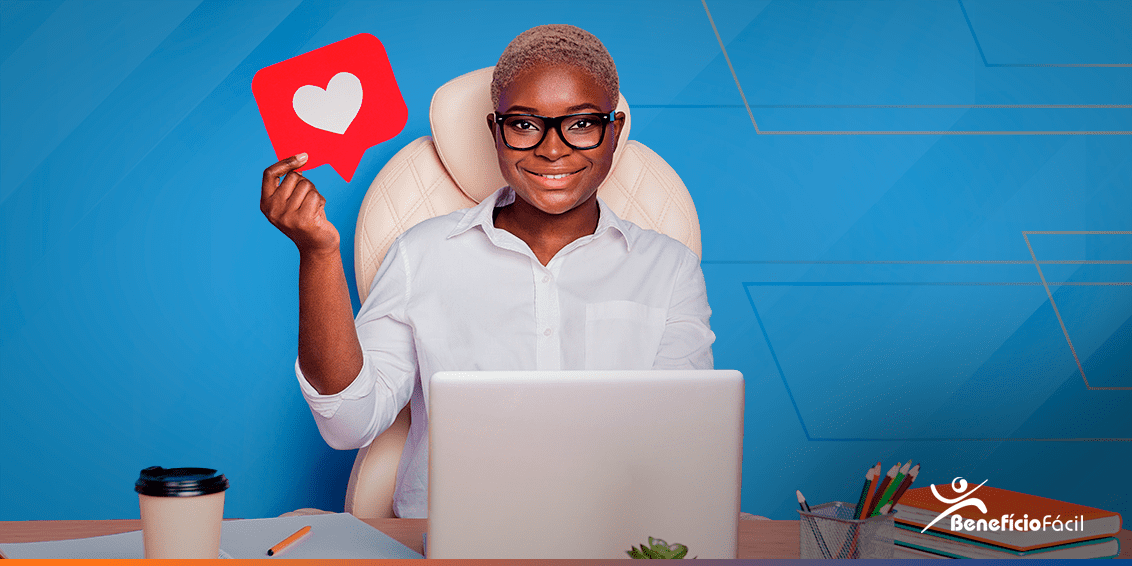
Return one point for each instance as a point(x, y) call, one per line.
point(583, 107)
point(570, 110)
point(523, 109)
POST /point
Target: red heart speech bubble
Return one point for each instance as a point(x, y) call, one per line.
point(332, 103)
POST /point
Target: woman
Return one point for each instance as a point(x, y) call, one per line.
point(540, 275)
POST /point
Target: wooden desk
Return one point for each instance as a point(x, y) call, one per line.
point(757, 539)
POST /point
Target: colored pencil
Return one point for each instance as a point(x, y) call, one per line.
point(907, 484)
point(881, 487)
point(871, 480)
point(880, 490)
point(802, 501)
point(864, 492)
point(893, 485)
point(813, 525)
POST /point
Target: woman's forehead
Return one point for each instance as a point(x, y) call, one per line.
point(555, 87)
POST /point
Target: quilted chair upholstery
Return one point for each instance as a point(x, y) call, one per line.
point(456, 168)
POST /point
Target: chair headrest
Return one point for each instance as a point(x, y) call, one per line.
point(463, 142)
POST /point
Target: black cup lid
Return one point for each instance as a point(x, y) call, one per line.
point(179, 482)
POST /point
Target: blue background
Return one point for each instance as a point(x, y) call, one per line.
point(863, 212)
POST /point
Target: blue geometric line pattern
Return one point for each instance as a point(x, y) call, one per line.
point(986, 64)
point(1053, 303)
point(782, 375)
point(1011, 132)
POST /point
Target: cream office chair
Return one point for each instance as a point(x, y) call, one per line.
point(456, 168)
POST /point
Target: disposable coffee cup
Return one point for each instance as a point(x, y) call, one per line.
point(181, 511)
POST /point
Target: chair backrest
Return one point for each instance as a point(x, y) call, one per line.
point(457, 168)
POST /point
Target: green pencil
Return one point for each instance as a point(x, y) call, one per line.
point(874, 504)
point(892, 487)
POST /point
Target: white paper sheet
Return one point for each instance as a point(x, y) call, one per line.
point(332, 536)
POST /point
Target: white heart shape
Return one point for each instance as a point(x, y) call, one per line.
point(333, 109)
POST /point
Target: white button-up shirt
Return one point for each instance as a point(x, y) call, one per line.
point(457, 293)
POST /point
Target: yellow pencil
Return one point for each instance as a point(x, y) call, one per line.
point(289, 541)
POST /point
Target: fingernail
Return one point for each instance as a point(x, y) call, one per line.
point(301, 157)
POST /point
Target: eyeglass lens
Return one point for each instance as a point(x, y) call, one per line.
point(525, 132)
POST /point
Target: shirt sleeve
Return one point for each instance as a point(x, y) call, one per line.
point(353, 417)
point(687, 339)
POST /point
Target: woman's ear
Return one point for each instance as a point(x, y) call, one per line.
point(618, 123)
point(491, 125)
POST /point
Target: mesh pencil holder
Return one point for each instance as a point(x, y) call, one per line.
point(829, 531)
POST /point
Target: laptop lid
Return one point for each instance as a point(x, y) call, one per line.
point(583, 464)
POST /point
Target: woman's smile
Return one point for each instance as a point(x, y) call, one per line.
point(554, 179)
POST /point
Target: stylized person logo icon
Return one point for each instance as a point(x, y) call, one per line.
point(958, 485)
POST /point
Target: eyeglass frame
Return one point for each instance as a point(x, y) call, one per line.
point(556, 125)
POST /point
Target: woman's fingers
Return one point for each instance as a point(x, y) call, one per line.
point(272, 174)
point(312, 206)
point(274, 194)
point(302, 188)
point(277, 203)
point(295, 206)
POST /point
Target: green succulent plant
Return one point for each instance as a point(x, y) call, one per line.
point(657, 548)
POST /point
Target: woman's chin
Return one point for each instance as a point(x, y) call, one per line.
point(554, 202)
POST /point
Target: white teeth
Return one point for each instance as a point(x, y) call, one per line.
point(562, 176)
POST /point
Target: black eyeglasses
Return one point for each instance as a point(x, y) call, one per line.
point(527, 131)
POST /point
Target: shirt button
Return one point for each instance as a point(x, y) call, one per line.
point(545, 278)
point(547, 332)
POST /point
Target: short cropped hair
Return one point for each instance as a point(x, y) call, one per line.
point(555, 43)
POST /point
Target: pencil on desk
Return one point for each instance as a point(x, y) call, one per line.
point(289, 541)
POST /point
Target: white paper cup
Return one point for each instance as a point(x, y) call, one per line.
point(181, 511)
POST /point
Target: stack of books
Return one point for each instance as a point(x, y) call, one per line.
point(1015, 525)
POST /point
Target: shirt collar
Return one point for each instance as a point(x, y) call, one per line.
point(482, 215)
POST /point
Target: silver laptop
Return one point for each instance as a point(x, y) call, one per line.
point(583, 464)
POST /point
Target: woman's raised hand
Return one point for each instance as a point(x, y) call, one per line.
point(329, 353)
point(296, 208)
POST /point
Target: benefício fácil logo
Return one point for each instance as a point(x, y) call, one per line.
point(1006, 523)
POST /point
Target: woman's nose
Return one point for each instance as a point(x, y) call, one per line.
point(552, 146)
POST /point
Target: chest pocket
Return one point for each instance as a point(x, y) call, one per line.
point(622, 335)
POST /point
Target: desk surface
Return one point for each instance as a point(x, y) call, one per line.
point(757, 539)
